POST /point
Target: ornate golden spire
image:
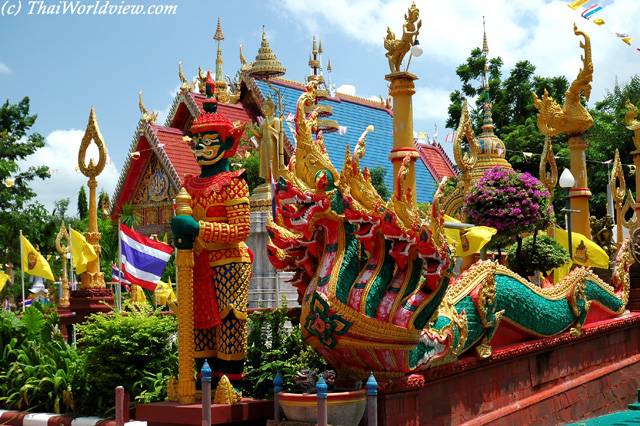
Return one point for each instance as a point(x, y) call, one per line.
point(329, 65)
point(320, 47)
point(315, 49)
point(485, 45)
point(266, 64)
point(218, 36)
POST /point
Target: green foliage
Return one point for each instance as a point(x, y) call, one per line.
point(83, 204)
point(608, 133)
point(132, 349)
point(377, 180)
point(248, 158)
point(38, 370)
point(128, 216)
point(539, 253)
point(273, 347)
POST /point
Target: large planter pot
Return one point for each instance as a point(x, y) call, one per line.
point(343, 408)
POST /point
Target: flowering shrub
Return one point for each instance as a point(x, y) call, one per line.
point(512, 202)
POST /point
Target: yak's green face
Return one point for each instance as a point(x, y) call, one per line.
point(209, 148)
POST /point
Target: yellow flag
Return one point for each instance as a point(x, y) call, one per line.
point(137, 295)
point(585, 252)
point(576, 4)
point(81, 251)
point(598, 21)
point(3, 279)
point(164, 293)
point(33, 263)
point(628, 40)
point(468, 241)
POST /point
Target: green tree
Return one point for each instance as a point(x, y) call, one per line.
point(377, 180)
point(18, 211)
point(608, 133)
point(83, 204)
point(248, 158)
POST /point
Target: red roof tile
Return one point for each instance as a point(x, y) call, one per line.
point(436, 160)
point(234, 112)
point(179, 154)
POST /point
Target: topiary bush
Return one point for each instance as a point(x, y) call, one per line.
point(133, 349)
point(541, 253)
point(512, 202)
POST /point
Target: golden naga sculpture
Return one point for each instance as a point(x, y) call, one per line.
point(146, 116)
point(396, 49)
point(466, 161)
point(633, 124)
point(202, 81)
point(185, 86)
point(573, 118)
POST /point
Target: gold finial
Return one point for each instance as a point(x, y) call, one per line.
point(485, 45)
point(185, 84)
point(146, 117)
point(617, 176)
point(315, 49)
point(243, 61)
point(320, 46)
point(397, 49)
point(266, 64)
point(218, 36)
point(183, 200)
point(92, 133)
point(329, 65)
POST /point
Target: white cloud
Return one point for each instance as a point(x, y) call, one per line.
point(61, 153)
point(4, 69)
point(347, 89)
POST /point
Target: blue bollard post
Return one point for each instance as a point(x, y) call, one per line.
point(321, 395)
point(372, 401)
point(277, 387)
point(205, 372)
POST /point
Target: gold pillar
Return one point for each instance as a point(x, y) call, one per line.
point(93, 278)
point(63, 250)
point(402, 89)
point(184, 263)
point(580, 193)
point(636, 206)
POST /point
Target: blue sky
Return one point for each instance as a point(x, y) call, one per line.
point(67, 63)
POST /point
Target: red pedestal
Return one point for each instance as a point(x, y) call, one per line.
point(248, 412)
point(83, 303)
point(546, 382)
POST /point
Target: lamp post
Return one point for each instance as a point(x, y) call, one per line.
point(567, 181)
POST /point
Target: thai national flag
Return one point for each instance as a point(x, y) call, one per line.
point(28, 302)
point(115, 277)
point(143, 259)
point(5, 305)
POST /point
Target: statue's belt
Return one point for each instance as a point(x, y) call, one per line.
point(225, 246)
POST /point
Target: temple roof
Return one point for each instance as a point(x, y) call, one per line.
point(436, 160)
point(167, 144)
point(351, 112)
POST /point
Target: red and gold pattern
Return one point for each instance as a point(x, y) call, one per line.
point(220, 204)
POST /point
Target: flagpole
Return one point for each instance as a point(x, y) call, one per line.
point(22, 269)
point(73, 277)
point(119, 290)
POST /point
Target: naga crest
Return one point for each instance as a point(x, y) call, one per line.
point(366, 269)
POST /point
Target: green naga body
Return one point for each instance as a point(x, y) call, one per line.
point(374, 277)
